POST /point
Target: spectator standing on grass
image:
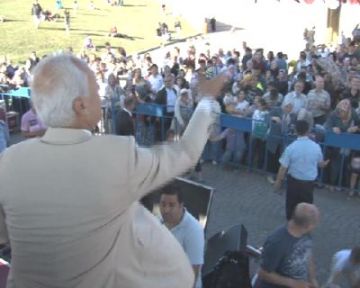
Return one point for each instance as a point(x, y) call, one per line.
point(75, 6)
point(67, 20)
point(36, 12)
point(59, 5)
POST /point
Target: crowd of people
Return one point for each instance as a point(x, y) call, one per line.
point(321, 87)
point(317, 93)
point(133, 243)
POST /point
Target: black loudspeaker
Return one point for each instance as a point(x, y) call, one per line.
point(226, 259)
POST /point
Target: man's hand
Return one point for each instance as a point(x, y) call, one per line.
point(324, 163)
point(279, 178)
point(352, 129)
point(277, 186)
point(336, 130)
point(276, 119)
point(213, 86)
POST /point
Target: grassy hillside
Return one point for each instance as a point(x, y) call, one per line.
point(137, 19)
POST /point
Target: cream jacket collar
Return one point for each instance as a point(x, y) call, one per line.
point(65, 136)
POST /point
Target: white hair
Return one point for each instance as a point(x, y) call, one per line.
point(58, 81)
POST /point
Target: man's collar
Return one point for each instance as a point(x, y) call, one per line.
point(66, 136)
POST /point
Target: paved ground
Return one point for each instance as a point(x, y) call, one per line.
point(247, 198)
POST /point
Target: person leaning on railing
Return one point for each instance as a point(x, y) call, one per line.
point(342, 120)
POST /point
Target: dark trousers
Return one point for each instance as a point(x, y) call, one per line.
point(162, 126)
point(297, 191)
point(320, 119)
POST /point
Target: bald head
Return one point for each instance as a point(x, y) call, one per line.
point(306, 215)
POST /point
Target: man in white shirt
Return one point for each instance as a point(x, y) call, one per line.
point(155, 79)
point(167, 98)
point(346, 263)
point(318, 101)
point(296, 97)
point(186, 229)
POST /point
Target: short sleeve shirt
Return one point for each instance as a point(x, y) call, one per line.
point(341, 264)
point(286, 255)
point(190, 235)
point(301, 158)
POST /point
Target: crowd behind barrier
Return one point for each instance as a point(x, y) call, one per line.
point(259, 106)
point(265, 95)
point(146, 135)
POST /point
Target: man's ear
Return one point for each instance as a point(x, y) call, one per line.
point(79, 106)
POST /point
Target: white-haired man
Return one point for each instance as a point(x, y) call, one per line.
point(69, 199)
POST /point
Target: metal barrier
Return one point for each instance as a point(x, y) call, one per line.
point(15, 103)
point(328, 141)
point(152, 123)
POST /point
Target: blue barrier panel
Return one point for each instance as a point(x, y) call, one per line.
point(343, 140)
point(150, 109)
point(241, 124)
point(23, 92)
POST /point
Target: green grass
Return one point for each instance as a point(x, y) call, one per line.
point(137, 19)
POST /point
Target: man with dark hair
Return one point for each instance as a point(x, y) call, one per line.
point(167, 98)
point(125, 122)
point(287, 255)
point(186, 229)
point(346, 263)
point(300, 161)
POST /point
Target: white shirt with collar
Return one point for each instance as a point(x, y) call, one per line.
point(298, 101)
point(170, 100)
point(190, 235)
point(156, 82)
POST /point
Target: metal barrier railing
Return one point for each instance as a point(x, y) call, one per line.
point(150, 120)
point(152, 124)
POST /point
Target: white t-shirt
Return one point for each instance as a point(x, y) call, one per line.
point(190, 235)
point(156, 82)
point(341, 264)
point(171, 100)
point(242, 106)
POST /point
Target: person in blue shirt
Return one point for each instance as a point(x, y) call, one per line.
point(4, 135)
point(300, 161)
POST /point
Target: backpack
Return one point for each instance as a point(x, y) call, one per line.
point(231, 271)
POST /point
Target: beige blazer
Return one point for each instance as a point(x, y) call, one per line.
point(69, 208)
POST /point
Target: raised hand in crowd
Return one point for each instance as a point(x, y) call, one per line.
point(213, 86)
